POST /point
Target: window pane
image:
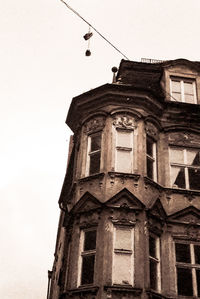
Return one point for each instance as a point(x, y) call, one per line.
point(95, 142)
point(122, 268)
point(153, 274)
point(178, 176)
point(189, 99)
point(197, 254)
point(123, 239)
point(188, 88)
point(176, 86)
point(198, 282)
point(176, 156)
point(184, 281)
point(90, 240)
point(183, 253)
point(95, 163)
point(193, 157)
point(150, 147)
point(123, 161)
point(152, 247)
point(124, 138)
point(150, 168)
point(194, 178)
point(176, 96)
point(87, 269)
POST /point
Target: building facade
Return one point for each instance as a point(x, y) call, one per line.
point(130, 204)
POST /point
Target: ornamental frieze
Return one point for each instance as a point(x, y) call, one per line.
point(184, 138)
point(124, 122)
point(95, 124)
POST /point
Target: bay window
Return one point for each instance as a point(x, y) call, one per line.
point(124, 151)
point(188, 269)
point(154, 262)
point(87, 256)
point(185, 168)
point(183, 90)
point(123, 260)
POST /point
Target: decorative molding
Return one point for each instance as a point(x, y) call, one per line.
point(151, 130)
point(124, 121)
point(184, 139)
point(94, 125)
point(124, 289)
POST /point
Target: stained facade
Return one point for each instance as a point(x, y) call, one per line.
point(130, 203)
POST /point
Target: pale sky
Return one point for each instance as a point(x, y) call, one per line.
point(43, 66)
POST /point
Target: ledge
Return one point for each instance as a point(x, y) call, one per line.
point(92, 177)
point(123, 288)
point(124, 175)
point(182, 191)
point(153, 294)
point(80, 290)
point(149, 181)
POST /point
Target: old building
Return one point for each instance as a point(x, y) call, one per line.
point(130, 203)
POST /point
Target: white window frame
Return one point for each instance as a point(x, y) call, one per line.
point(123, 252)
point(184, 165)
point(182, 93)
point(153, 158)
point(90, 153)
point(191, 266)
point(156, 259)
point(124, 149)
point(83, 253)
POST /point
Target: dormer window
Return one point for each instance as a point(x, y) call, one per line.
point(183, 90)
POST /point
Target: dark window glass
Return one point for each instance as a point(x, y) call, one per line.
point(150, 168)
point(153, 274)
point(184, 280)
point(149, 147)
point(197, 254)
point(180, 178)
point(194, 178)
point(183, 253)
point(152, 246)
point(90, 240)
point(87, 269)
point(196, 160)
point(95, 163)
point(95, 143)
point(198, 282)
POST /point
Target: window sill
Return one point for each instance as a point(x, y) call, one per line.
point(81, 291)
point(92, 177)
point(151, 182)
point(124, 175)
point(183, 191)
point(123, 288)
point(154, 294)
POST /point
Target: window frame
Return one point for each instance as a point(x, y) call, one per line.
point(92, 153)
point(126, 149)
point(182, 93)
point(156, 259)
point(124, 252)
point(152, 158)
point(188, 265)
point(185, 166)
point(83, 253)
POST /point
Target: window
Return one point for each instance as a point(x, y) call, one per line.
point(151, 157)
point(185, 168)
point(183, 90)
point(123, 256)
point(87, 256)
point(188, 269)
point(124, 151)
point(94, 153)
point(154, 262)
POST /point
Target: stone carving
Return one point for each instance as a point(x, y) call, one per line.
point(124, 122)
point(95, 124)
point(193, 230)
point(184, 138)
point(152, 131)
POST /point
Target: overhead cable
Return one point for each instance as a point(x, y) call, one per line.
point(75, 12)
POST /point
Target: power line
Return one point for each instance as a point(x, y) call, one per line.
point(75, 12)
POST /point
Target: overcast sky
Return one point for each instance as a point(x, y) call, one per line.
point(43, 66)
